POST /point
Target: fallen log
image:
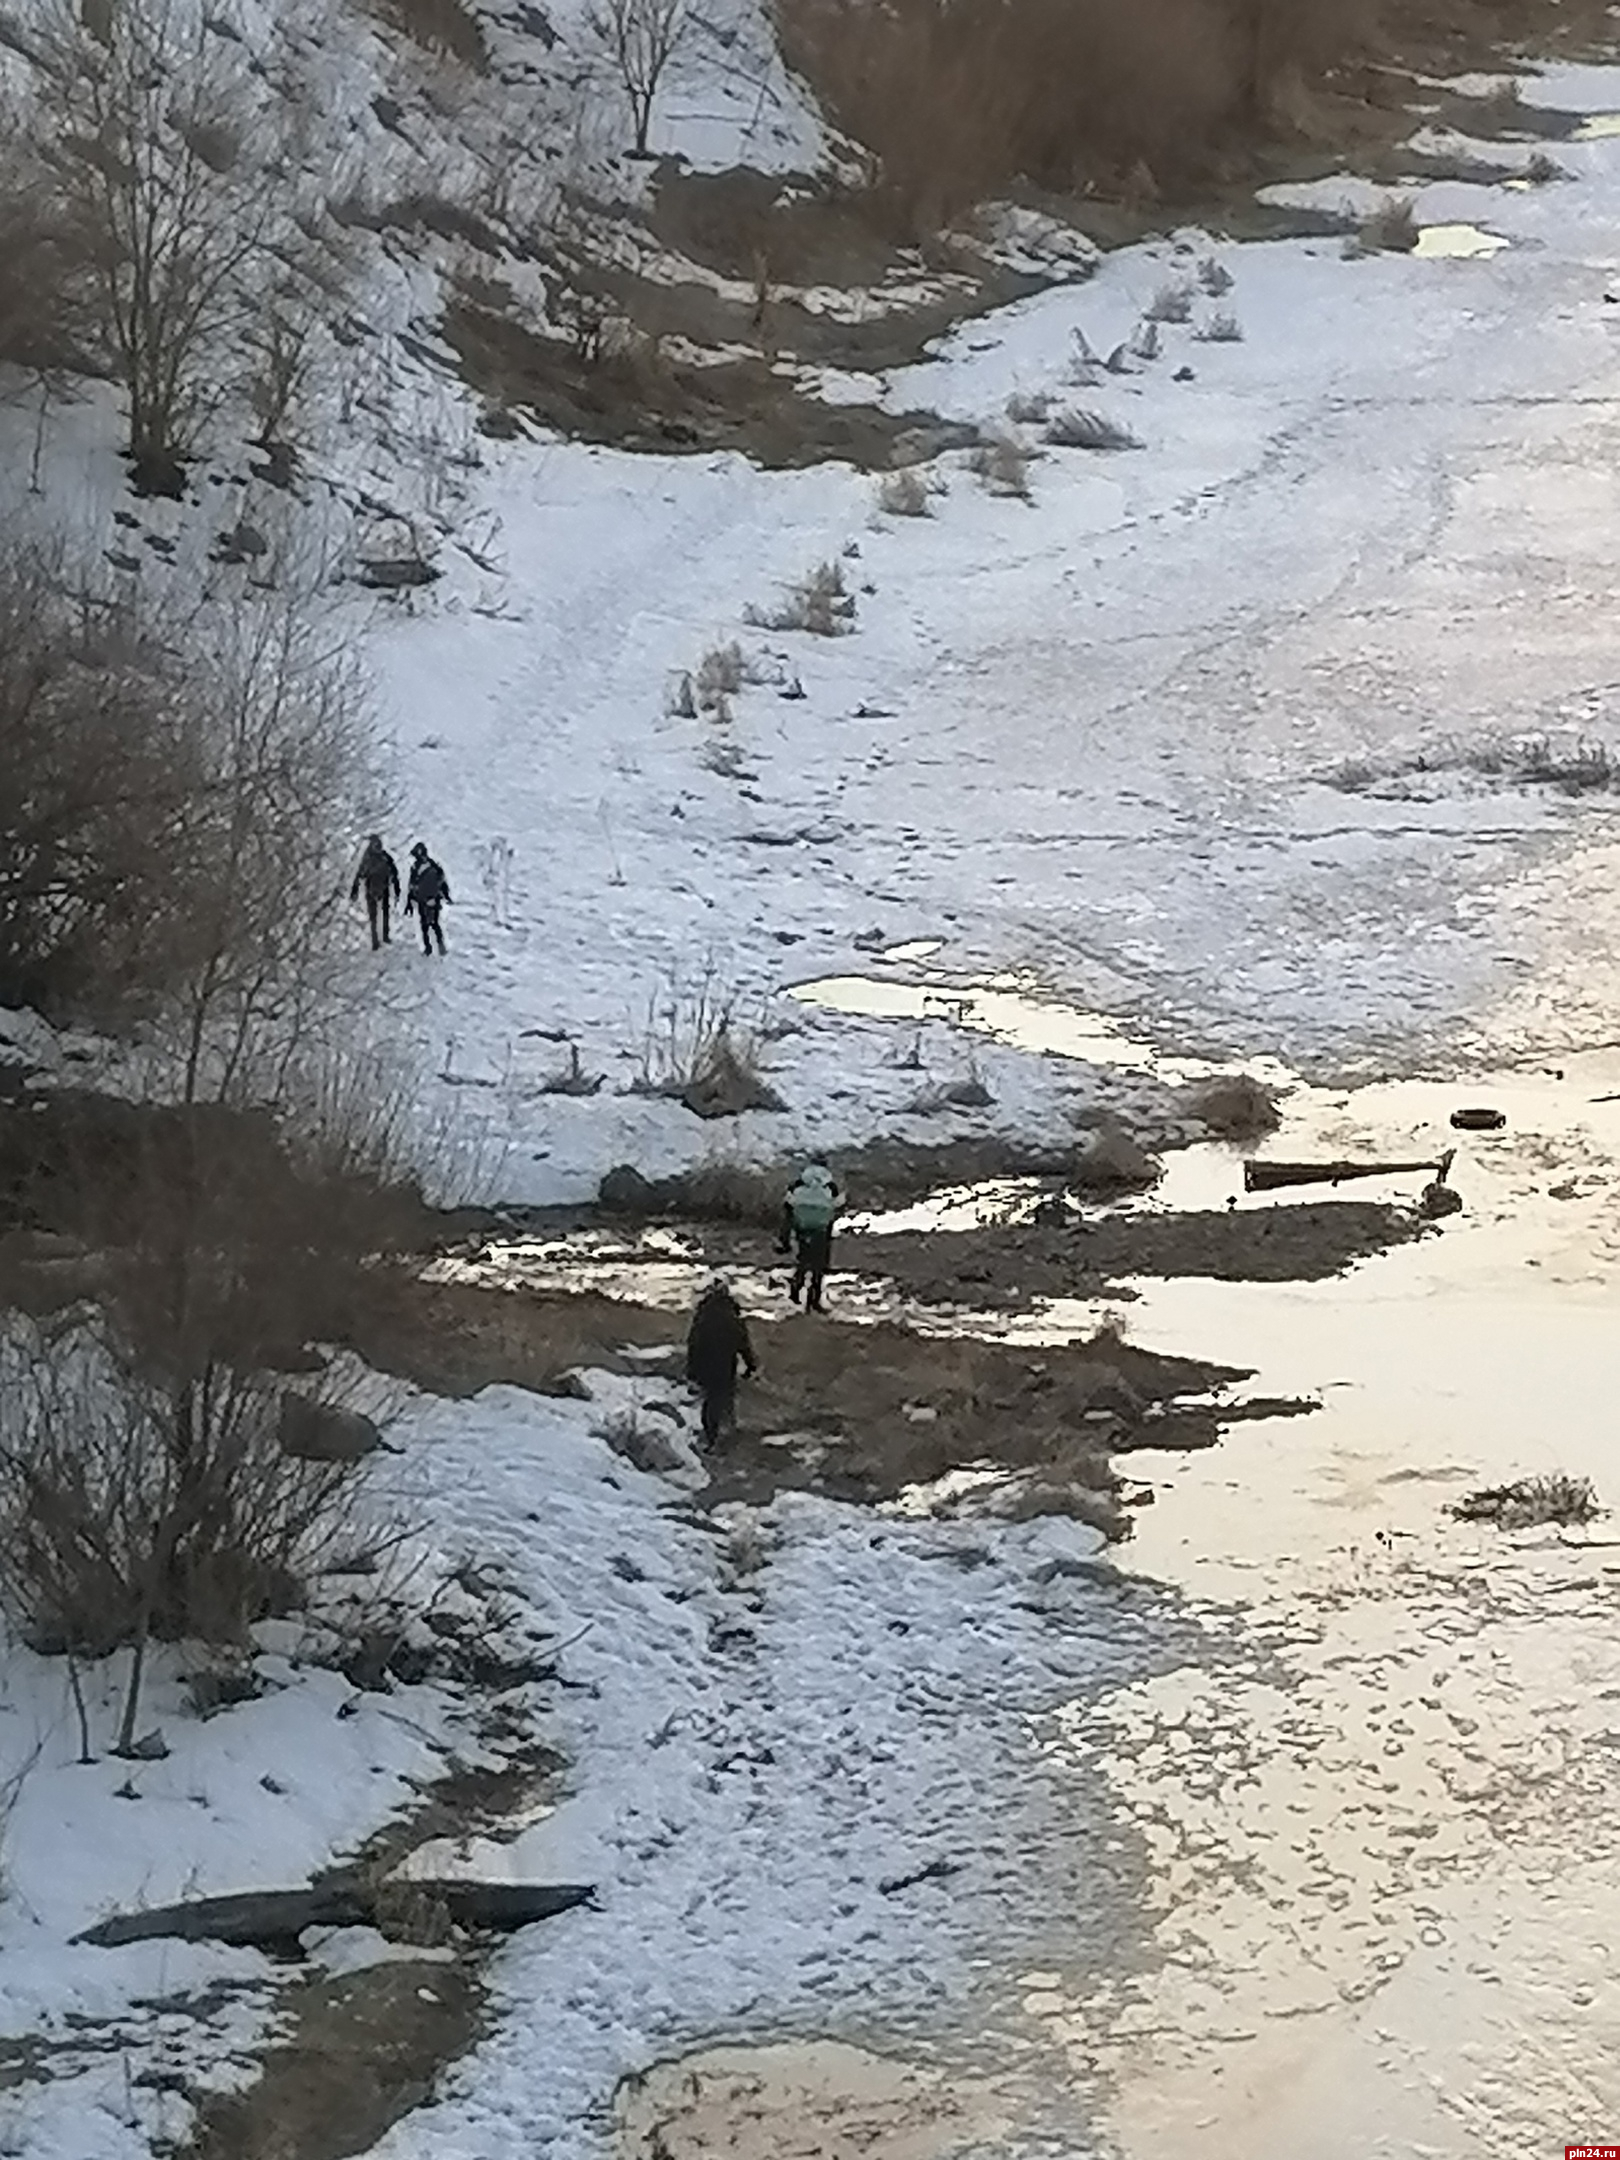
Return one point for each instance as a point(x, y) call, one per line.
point(275, 1919)
point(1270, 1176)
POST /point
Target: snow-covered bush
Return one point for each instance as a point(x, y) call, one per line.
point(1214, 277)
point(724, 758)
point(819, 603)
point(1002, 462)
point(1077, 429)
point(1146, 341)
point(1172, 303)
point(1220, 328)
point(905, 493)
point(1028, 408)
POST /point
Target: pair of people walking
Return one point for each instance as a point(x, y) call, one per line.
point(426, 895)
point(718, 1344)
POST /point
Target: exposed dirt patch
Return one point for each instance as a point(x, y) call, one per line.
point(641, 399)
point(877, 1413)
point(807, 232)
point(439, 26)
point(1012, 1265)
point(467, 1802)
point(454, 1339)
point(362, 2050)
point(859, 1414)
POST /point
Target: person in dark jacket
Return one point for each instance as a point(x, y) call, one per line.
point(378, 878)
point(716, 1344)
point(426, 895)
point(808, 1215)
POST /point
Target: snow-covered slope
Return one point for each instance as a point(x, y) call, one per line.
point(759, 1735)
point(1104, 737)
point(1143, 736)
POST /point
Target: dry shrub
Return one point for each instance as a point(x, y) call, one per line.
point(680, 696)
point(1075, 429)
point(221, 1234)
point(969, 1093)
point(1002, 463)
point(820, 603)
point(721, 673)
point(1111, 1161)
point(177, 802)
point(1391, 229)
point(905, 493)
point(131, 1509)
point(1220, 328)
point(136, 1507)
point(726, 1189)
point(1028, 408)
point(699, 1051)
point(727, 1081)
point(1236, 1106)
point(573, 1079)
point(1530, 1503)
point(98, 758)
point(45, 321)
point(1214, 278)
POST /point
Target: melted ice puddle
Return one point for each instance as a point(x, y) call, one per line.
point(1014, 1009)
point(1459, 242)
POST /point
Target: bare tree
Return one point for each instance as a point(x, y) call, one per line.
point(290, 771)
point(163, 142)
point(642, 37)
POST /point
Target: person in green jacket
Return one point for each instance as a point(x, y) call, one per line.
point(808, 1215)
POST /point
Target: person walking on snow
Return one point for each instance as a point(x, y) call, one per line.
point(426, 895)
point(378, 878)
point(808, 1215)
point(716, 1344)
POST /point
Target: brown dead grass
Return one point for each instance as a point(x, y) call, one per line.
point(960, 99)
